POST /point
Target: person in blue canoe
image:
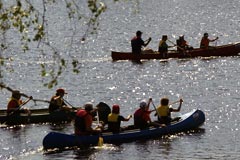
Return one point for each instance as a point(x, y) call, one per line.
point(114, 119)
point(142, 119)
point(84, 119)
point(163, 111)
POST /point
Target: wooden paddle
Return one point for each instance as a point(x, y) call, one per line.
point(100, 139)
point(22, 94)
point(155, 109)
point(146, 42)
point(168, 104)
point(69, 104)
point(176, 45)
point(174, 102)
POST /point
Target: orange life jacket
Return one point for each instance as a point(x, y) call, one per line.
point(13, 104)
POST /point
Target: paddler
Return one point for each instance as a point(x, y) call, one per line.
point(142, 119)
point(114, 119)
point(205, 41)
point(57, 102)
point(137, 43)
point(15, 103)
point(84, 119)
point(164, 111)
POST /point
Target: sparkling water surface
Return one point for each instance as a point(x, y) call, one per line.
point(210, 84)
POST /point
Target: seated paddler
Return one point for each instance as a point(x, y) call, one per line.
point(182, 44)
point(204, 44)
point(84, 120)
point(114, 119)
point(164, 111)
point(57, 102)
point(15, 103)
point(142, 119)
point(163, 46)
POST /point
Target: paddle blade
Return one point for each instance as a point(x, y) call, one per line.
point(100, 141)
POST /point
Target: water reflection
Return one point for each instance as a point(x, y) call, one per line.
point(59, 126)
point(16, 138)
point(85, 153)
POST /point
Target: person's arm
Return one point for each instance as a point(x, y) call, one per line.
point(214, 39)
point(149, 39)
point(179, 107)
point(186, 43)
point(148, 104)
point(88, 124)
point(25, 102)
point(128, 118)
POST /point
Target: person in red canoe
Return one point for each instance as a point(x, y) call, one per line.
point(114, 119)
point(137, 43)
point(15, 103)
point(163, 46)
point(182, 44)
point(84, 119)
point(205, 41)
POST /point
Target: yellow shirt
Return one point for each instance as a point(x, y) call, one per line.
point(163, 111)
point(112, 117)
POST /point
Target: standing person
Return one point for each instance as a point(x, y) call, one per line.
point(137, 43)
point(163, 46)
point(142, 117)
point(205, 41)
point(15, 102)
point(164, 111)
point(57, 103)
point(114, 119)
point(84, 119)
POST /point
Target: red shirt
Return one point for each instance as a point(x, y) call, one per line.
point(204, 43)
point(141, 118)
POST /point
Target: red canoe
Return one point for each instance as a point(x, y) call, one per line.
point(225, 50)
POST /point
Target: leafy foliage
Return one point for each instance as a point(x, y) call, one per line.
point(30, 23)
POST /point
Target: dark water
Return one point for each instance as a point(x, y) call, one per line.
point(211, 85)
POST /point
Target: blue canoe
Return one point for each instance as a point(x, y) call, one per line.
point(188, 121)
